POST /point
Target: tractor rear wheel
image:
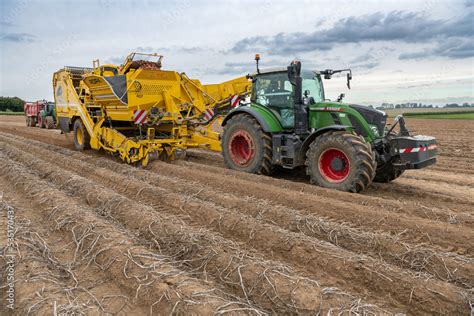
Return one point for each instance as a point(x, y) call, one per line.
point(246, 147)
point(49, 122)
point(341, 160)
point(28, 121)
point(81, 136)
point(33, 121)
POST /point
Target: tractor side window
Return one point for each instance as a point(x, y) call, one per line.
point(276, 92)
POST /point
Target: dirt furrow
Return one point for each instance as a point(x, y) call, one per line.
point(269, 283)
point(41, 283)
point(434, 208)
point(443, 177)
point(446, 191)
point(375, 219)
point(419, 258)
point(304, 250)
point(150, 277)
point(422, 204)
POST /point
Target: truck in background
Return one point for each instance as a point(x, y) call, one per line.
point(41, 113)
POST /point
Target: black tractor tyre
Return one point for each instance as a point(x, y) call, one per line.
point(41, 122)
point(341, 160)
point(246, 147)
point(387, 172)
point(32, 121)
point(28, 121)
point(49, 122)
point(81, 136)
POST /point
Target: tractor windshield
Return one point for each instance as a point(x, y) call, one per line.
point(275, 91)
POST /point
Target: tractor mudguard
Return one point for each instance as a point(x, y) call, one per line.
point(266, 119)
point(320, 131)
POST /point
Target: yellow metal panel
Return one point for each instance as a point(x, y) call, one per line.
point(175, 107)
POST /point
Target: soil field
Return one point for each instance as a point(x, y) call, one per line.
point(96, 236)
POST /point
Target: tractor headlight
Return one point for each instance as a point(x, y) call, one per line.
point(374, 129)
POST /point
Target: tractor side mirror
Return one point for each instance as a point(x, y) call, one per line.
point(349, 78)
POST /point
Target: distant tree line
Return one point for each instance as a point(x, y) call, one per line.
point(385, 106)
point(8, 104)
point(455, 105)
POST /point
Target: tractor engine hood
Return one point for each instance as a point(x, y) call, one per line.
point(372, 116)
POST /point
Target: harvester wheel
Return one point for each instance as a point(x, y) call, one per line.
point(49, 122)
point(246, 147)
point(341, 160)
point(81, 136)
point(41, 122)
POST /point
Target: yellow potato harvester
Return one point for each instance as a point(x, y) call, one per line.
point(139, 111)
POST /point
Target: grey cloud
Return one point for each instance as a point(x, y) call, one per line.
point(159, 50)
point(237, 68)
point(415, 55)
point(232, 70)
point(18, 37)
point(367, 66)
point(144, 49)
point(6, 24)
point(115, 60)
point(241, 68)
point(409, 27)
point(180, 49)
point(362, 58)
point(455, 48)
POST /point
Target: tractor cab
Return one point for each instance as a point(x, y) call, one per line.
point(273, 89)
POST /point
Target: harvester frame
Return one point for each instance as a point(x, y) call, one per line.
point(138, 111)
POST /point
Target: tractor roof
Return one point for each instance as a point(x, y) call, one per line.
point(282, 69)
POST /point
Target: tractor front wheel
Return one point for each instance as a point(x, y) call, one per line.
point(246, 147)
point(81, 136)
point(341, 160)
point(41, 122)
point(387, 172)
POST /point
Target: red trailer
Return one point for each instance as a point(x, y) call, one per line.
point(32, 112)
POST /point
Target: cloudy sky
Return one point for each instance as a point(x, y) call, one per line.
point(400, 51)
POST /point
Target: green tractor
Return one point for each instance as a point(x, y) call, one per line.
point(289, 123)
point(47, 116)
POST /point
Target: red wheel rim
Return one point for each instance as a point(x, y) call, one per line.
point(334, 165)
point(241, 148)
